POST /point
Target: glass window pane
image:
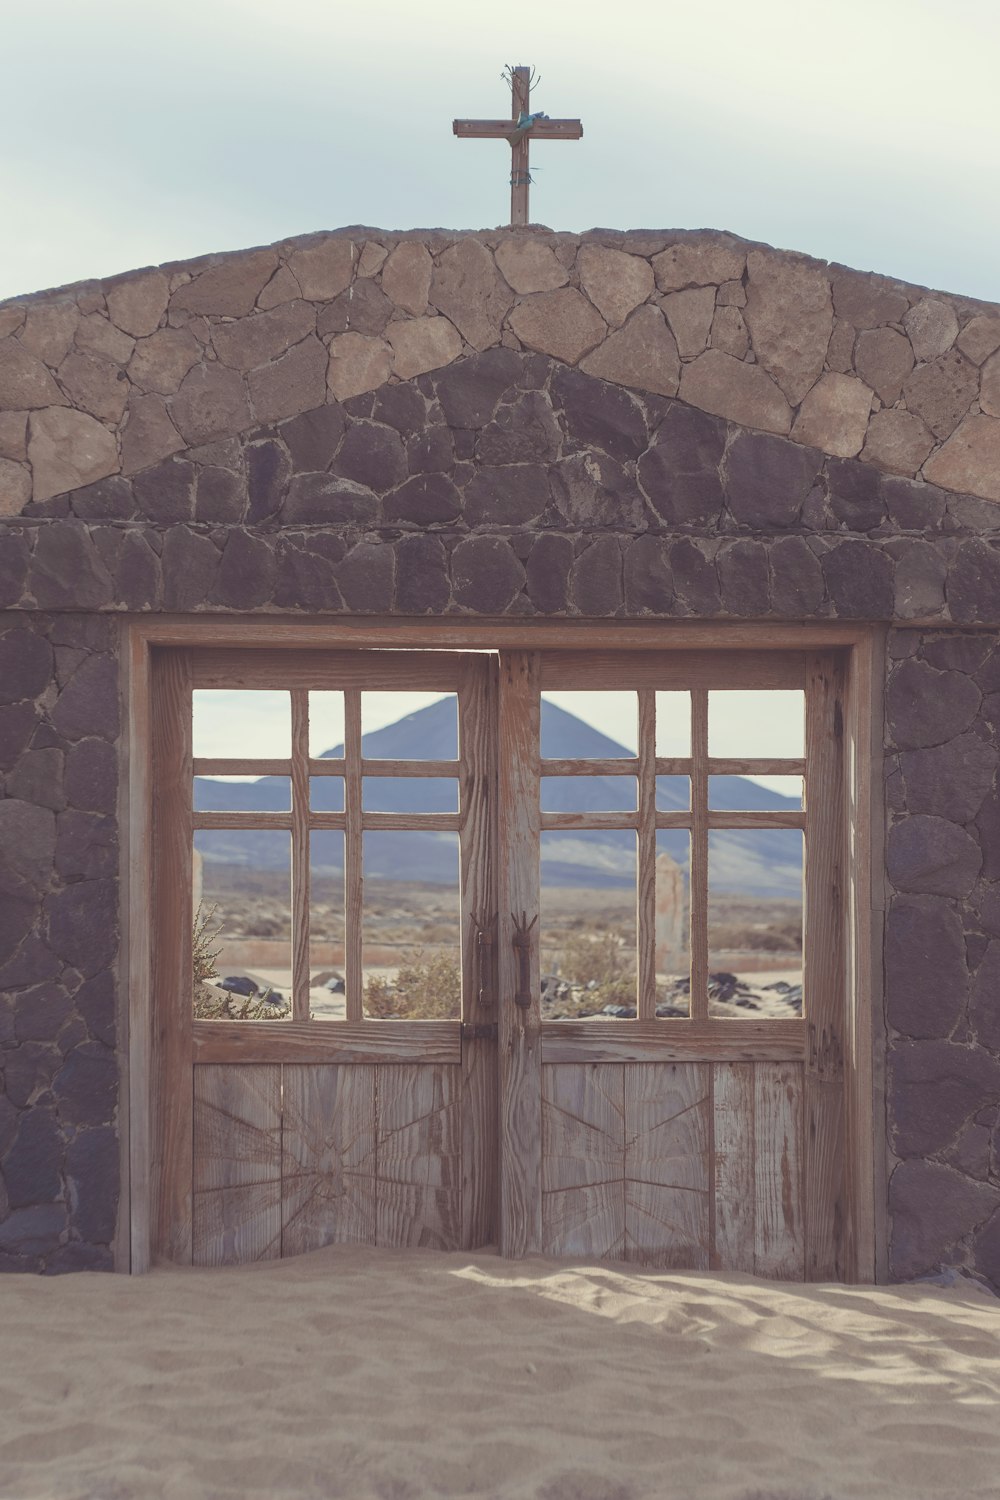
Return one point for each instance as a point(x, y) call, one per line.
point(673, 724)
point(673, 923)
point(587, 932)
point(410, 794)
point(327, 1000)
point(747, 794)
point(242, 794)
point(673, 793)
point(241, 723)
point(589, 726)
point(412, 949)
point(326, 724)
point(589, 794)
point(243, 924)
point(409, 726)
point(755, 923)
point(756, 722)
point(326, 793)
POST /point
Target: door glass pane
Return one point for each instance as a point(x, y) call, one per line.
point(756, 722)
point(241, 723)
point(673, 724)
point(755, 923)
point(673, 919)
point(583, 794)
point(409, 726)
point(587, 931)
point(673, 793)
point(410, 794)
point(412, 950)
point(326, 724)
point(747, 794)
point(243, 924)
point(327, 1000)
point(326, 793)
point(242, 794)
point(589, 726)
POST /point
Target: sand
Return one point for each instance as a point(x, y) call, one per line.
point(404, 1375)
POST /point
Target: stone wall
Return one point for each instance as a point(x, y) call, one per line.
point(114, 376)
point(349, 448)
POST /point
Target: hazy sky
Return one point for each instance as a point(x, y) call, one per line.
point(865, 131)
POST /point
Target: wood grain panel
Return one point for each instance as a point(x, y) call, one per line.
point(672, 1040)
point(779, 1231)
point(667, 1135)
point(328, 1041)
point(610, 668)
point(733, 1166)
point(583, 1131)
point(237, 1165)
point(328, 1157)
point(418, 1118)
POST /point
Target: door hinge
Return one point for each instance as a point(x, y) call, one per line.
point(484, 1031)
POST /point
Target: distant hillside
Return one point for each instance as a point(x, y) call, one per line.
point(764, 862)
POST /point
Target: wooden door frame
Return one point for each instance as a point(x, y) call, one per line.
point(864, 905)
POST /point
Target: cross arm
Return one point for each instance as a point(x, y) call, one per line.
point(504, 130)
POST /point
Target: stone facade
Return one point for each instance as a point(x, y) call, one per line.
point(645, 426)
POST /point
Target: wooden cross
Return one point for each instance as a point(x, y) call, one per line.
point(518, 131)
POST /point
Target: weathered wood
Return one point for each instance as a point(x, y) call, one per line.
point(138, 1133)
point(327, 1041)
point(662, 670)
point(172, 981)
point(626, 766)
point(829, 1232)
point(775, 819)
point(300, 855)
point(354, 879)
point(520, 1142)
point(779, 1233)
point(721, 766)
point(667, 1133)
point(330, 669)
point(263, 820)
point(429, 822)
point(698, 873)
point(734, 1166)
point(328, 1157)
point(589, 820)
point(411, 768)
point(672, 1040)
point(237, 1165)
point(477, 739)
point(216, 766)
point(646, 860)
point(583, 1132)
point(500, 130)
point(418, 1114)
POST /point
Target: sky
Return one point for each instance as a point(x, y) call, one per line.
point(866, 131)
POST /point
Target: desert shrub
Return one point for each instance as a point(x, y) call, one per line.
point(424, 989)
point(207, 928)
point(601, 960)
point(777, 937)
point(211, 1004)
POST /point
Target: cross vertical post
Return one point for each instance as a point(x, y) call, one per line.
point(518, 132)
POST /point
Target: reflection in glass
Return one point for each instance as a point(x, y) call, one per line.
point(410, 794)
point(755, 923)
point(743, 794)
point(326, 724)
point(242, 794)
point(243, 924)
point(327, 1001)
point(673, 793)
point(412, 952)
point(409, 726)
point(241, 723)
point(758, 722)
point(673, 724)
point(673, 923)
point(326, 793)
point(587, 928)
point(568, 719)
point(585, 794)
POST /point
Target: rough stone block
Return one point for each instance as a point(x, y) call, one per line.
point(932, 327)
point(547, 573)
point(950, 780)
point(980, 338)
point(507, 495)
point(14, 435)
point(797, 586)
point(362, 308)
point(790, 316)
point(372, 455)
point(486, 576)
point(324, 270)
point(973, 588)
point(282, 287)
point(66, 570)
point(91, 778)
point(932, 856)
point(989, 392)
point(109, 499)
point(366, 578)
point(25, 383)
point(600, 415)
point(422, 586)
point(867, 301)
point(883, 358)
point(87, 1085)
point(615, 282)
point(253, 341)
point(422, 344)
point(679, 473)
point(15, 487)
point(696, 582)
point(941, 392)
point(32, 1166)
point(767, 480)
point(596, 579)
point(984, 1007)
point(313, 437)
point(933, 1210)
point(166, 494)
point(927, 983)
point(897, 442)
point(424, 500)
point(744, 393)
point(743, 575)
point(592, 490)
point(49, 329)
point(406, 277)
point(97, 335)
point(137, 303)
point(268, 472)
point(468, 289)
point(522, 432)
point(68, 448)
point(357, 364)
point(149, 434)
point(189, 564)
point(229, 289)
point(83, 924)
point(562, 324)
point(926, 707)
point(729, 332)
point(920, 575)
point(834, 415)
point(211, 403)
point(643, 354)
point(27, 847)
point(529, 266)
point(470, 391)
point(690, 315)
point(245, 578)
point(295, 382)
point(698, 262)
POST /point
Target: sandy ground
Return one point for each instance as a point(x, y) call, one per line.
point(380, 1375)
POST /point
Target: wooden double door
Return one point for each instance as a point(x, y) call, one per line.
point(611, 1053)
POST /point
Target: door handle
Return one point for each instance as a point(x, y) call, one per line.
point(522, 947)
point(484, 929)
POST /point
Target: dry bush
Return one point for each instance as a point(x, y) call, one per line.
point(777, 937)
point(601, 959)
point(207, 928)
point(222, 1005)
point(423, 989)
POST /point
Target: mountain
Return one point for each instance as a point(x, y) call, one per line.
point(764, 862)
